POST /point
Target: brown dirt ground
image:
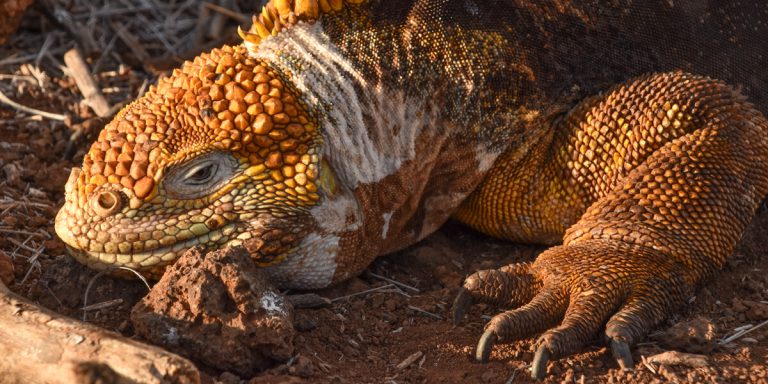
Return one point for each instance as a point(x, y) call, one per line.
point(362, 338)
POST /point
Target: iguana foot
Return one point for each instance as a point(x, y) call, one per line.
point(654, 230)
point(570, 292)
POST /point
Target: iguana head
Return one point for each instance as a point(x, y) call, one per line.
point(220, 152)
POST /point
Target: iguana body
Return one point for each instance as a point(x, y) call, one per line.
point(340, 132)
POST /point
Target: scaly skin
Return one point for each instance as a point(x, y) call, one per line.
point(343, 130)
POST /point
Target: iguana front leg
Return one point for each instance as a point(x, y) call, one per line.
point(676, 180)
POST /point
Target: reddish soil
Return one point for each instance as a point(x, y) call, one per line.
point(358, 338)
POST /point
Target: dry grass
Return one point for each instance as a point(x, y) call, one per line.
point(127, 44)
point(124, 46)
point(150, 34)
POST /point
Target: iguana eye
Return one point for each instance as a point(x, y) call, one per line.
point(200, 176)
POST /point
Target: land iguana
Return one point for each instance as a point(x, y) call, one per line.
point(619, 132)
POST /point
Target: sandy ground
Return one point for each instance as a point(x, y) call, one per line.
point(364, 337)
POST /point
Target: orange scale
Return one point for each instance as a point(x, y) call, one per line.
point(281, 118)
point(248, 85)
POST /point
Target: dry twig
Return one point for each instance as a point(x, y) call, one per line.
point(410, 360)
point(395, 282)
point(78, 69)
point(419, 310)
point(102, 273)
point(48, 115)
point(227, 12)
point(42, 346)
point(383, 287)
point(741, 331)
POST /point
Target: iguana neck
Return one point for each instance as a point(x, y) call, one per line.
point(356, 113)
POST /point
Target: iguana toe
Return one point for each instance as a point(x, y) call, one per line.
point(509, 286)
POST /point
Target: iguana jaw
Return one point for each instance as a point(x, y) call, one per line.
point(151, 262)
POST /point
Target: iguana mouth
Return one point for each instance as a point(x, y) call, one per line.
point(152, 260)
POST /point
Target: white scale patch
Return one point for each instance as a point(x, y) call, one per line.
point(359, 153)
point(311, 266)
point(384, 230)
point(335, 211)
point(485, 158)
point(368, 134)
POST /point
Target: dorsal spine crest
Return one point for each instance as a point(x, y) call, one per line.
point(277, 15)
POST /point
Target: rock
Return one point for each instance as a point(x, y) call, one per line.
point(12, 174)
point(739, 306)
point(220, 310)
point(695, 336)
point(569, 377)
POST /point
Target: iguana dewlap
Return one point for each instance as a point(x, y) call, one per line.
point(344, 130)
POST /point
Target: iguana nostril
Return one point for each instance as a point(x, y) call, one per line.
point(106, 203)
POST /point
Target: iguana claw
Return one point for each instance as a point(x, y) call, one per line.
point(485, 346)
point(622, 354)
point(539, 364)
point(460, 304)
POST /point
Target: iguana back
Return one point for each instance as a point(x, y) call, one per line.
point(558, 50)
